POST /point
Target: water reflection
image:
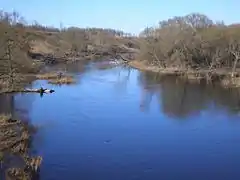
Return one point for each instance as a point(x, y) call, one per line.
point(123, 78)
point(146, 99)
point(7, 103)
point(180, 99)
point(92, 132)
point(78, 68)
point(19, 106)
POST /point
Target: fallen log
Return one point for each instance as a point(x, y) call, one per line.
point(41, 91)
point(121, 57)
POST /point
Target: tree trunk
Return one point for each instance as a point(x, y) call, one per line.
point(235, 65)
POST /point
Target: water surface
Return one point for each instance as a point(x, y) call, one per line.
point(121, 124)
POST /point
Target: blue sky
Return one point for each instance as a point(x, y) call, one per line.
point(128, 15)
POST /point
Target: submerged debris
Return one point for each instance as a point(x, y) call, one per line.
point(15, 137)
point(33, 163)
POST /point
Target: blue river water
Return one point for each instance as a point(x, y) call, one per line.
point(122, 124)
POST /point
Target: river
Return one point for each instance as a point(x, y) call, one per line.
point(121, 124)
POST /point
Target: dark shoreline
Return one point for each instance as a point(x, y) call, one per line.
point(222, 76)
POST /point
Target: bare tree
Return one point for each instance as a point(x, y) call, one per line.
point(192, 41)
point(234, 49)
point(13, 54)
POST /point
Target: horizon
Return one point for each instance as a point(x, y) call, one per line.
point(130, 17)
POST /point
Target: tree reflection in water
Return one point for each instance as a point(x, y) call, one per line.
point(146, 99)
point(7, 104)
point(123, 78)
point(181, 99)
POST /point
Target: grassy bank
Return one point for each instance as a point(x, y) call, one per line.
point(193, 45)
point(56, 78)
point(47, 76)
point(222, 76)
point(19, 84)
point(15, 139)
point(51, 45)
point(63, 80)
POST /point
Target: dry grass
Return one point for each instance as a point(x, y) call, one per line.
point(3, 83)
point(15, 138)
point(63, 80)
point(47, 76)
point(4, 117)
point(143, 66)
point(230, 82)
point(4, 86)
point(54, 78)
point(191, 76)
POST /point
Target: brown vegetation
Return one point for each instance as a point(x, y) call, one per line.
point(53, 44)
point(47, 76)
point(230, 82)
point(15, 137)
point(14, 45)
point(25, 48)
point(57, 78)
point(192, 43)
point(62, 80)
point(74, 44)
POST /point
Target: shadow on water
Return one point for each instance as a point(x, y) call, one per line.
point(180, 99)
point(81, 67)
point(123, 77)
point(7, 103)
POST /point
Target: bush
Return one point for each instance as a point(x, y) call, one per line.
point(192, 42)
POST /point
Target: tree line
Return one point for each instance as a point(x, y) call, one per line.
point(15, 18)
point(188, 42)
point(194, 42)
point(16, 35)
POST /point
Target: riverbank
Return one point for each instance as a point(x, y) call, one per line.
point(15, 139)
point(51, 77)
point(56, 78)
point(223, 76)
point(128, 93)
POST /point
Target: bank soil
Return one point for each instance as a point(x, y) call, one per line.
point(222, 76)
point(15, 142)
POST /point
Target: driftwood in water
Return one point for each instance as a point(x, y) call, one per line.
point(41, 91)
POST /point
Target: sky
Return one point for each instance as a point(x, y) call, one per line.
point(128, 15)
